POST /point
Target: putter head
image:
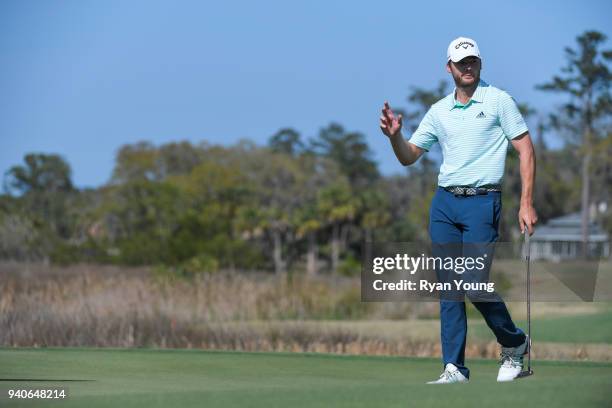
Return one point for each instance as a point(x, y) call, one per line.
point(526, 373)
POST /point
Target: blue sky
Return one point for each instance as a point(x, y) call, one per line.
point(82, 78)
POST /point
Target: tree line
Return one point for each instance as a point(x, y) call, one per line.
point(293, 204)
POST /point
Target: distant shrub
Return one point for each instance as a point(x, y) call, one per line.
point(350, 266)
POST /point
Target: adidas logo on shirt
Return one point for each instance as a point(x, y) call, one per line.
point(481, 115)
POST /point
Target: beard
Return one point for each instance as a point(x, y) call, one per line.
point(462, 82)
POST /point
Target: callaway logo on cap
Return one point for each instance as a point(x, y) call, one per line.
point(462, 47)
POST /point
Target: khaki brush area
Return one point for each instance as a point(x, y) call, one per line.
point(197, 378)
point(110, 306)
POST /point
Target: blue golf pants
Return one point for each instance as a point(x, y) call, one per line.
point(470, 220)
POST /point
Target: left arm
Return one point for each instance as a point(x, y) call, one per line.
point(527, 216)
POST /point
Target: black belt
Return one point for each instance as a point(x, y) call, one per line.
point(472, 191)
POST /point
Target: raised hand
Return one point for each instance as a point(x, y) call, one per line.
point(390, 123)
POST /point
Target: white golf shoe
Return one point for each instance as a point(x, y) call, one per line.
point(450, 375)
point(512, 361)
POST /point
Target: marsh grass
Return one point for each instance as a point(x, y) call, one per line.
point(106, 306)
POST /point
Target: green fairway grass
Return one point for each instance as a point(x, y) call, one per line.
point(591, 328)
point(196, 378)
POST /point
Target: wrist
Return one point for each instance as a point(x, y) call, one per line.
point(396, 135)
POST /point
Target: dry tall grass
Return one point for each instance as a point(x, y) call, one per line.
point(108, 306)
point(104, 306)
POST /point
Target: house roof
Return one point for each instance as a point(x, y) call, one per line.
point(568, 228)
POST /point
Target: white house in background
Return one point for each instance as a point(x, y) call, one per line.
point(561, 238)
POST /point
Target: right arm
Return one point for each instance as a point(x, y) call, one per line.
point(406, 152)
point(391, 125)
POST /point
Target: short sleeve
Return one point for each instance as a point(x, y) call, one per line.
point(425, 136)
point(510, 118)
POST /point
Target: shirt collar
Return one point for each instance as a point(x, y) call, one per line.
point(478, 96)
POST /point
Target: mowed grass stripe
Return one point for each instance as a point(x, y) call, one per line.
point(162, 378)
point(590, 328)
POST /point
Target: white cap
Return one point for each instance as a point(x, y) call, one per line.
point(462, 47)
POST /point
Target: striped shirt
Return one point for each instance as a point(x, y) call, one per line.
point(473, 137)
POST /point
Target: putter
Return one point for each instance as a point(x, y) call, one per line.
point(527, 256)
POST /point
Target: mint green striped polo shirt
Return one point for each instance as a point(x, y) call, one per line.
point(474, 137)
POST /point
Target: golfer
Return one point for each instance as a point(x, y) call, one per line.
point(473, 126)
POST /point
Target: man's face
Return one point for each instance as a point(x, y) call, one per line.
point(466, 72)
